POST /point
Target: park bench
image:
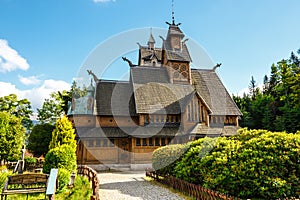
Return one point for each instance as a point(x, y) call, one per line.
point(30, 184)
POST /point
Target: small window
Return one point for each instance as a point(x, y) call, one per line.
point(157, 142)
point(192, 112)
point(168, 119)
point(189, 113)
point(144, 141)
point(163, 141)
point(157, 119)
point(91, 143)
point(147, 119)
point(138, 142)
point(172, 119)
point(150, 118)
point(150, 141)
point(105, 143)
point(98, 142)
point(177, 119)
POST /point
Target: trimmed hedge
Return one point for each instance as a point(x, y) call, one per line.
point(164, 159)
point(253, 164)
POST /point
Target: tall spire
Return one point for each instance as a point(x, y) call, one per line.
point(173, 18)
point(151, 40)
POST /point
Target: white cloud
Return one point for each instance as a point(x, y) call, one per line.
point(7, 89)
point(36, 95)
point(243, 91)
point(10, 59)
point(103, 1)
point(247, 91)
point(31, 80)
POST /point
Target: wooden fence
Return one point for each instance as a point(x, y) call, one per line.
point(91, 174)
point(195, 191)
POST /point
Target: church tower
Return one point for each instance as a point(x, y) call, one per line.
point(175, 54)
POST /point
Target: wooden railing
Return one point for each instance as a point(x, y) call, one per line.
point(91, 174)
point(195, 191)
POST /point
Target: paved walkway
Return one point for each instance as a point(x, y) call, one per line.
point(131, 186)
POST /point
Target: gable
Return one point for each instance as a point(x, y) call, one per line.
point(209, 86)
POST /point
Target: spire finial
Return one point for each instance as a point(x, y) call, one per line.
point(173, 18)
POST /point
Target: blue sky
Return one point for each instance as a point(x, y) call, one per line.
point(43, 43)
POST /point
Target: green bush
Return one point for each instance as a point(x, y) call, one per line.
point(60, 157)
point(165, 158)
point(30, 160)
point(268, 166)
point(81, 190)
point(30, 163)
point(188, 167)
point(63, 178)
point(253, 164)
point(196, 142)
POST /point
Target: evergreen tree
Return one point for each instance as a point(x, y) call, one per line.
point(39, 139)
point(277, 108)
point(253, 88)
point(63, 134)
point(62, 153)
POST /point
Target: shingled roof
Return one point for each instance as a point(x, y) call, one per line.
point(114, 98)
point(161, 98)
point(210, 88)
point(146, 74)
point(177, 55)
point(200, 131)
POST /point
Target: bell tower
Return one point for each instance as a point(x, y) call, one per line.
point(175, 54)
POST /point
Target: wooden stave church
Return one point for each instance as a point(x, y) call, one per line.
point(120, 123)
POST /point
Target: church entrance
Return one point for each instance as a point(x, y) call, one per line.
point(124, 150)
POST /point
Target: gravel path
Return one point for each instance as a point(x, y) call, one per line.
point(131, 186)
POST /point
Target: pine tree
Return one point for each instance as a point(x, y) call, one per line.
point(253, 88)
